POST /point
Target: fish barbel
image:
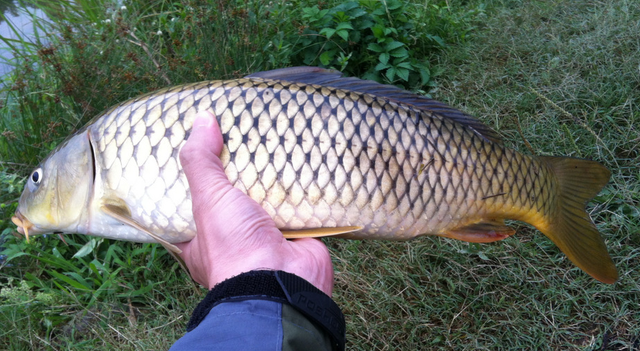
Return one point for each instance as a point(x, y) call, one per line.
point(323, 155)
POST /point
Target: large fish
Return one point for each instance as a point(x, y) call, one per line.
point(319, 152)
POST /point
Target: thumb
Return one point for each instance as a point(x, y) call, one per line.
point(203, 145)
point(199, 158)
point(205, 137)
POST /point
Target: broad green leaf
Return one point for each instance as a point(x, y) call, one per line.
point(309, 12)
point(405, 64)
point(378, 12)
point(393, 5)
point(328, 32)
point(86, 249)
point(341, 16)
point(403, 73)
point(384, 58)
point(401, 52)
point(313, 14)
point(425, 75)
point(372, 76)
point(326, 58)
point(382, 66)
point(364, 25)
point(346, 6)
point(344, 25)
point(357, 13)
point(378, 31)
point(393, 45)
point(391, 73)
point(375, 47)
point(343, 34)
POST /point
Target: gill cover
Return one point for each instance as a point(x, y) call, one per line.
point(57, 192)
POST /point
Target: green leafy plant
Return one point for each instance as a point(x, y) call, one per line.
point(371, 39)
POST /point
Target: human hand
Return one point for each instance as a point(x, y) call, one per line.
point(234, 233)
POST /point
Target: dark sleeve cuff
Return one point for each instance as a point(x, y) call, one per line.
point(281, 287)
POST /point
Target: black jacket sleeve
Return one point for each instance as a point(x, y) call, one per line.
point(241, 313)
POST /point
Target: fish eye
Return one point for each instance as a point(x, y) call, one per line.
point(36, 176)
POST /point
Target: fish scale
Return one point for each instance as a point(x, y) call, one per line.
point(312, 157)
point(316, 151)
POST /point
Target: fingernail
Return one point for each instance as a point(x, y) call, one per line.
point(203, 119)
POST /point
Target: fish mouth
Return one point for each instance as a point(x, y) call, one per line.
point(22, 223)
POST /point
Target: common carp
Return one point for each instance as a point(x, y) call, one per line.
point(322, 154)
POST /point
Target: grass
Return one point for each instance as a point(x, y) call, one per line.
point(555, 78)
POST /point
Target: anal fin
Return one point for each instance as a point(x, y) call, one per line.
point(483, 232)
point(319, 232)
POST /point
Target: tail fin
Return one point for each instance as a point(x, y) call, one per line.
point(571, 228)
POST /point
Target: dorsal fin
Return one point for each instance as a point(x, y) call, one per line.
point(301, 74)
point(334, 79)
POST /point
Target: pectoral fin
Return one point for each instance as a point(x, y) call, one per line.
point(483, 232)
point(118, 210)
point(122, 214)
point(318, 232)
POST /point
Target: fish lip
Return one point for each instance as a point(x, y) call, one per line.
point(23, 224)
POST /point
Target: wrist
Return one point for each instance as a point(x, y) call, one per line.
point(226, 268)
point(282, 287)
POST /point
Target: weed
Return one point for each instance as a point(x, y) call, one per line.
point(377, 40)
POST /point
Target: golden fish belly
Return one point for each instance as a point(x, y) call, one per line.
point(314, 157)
